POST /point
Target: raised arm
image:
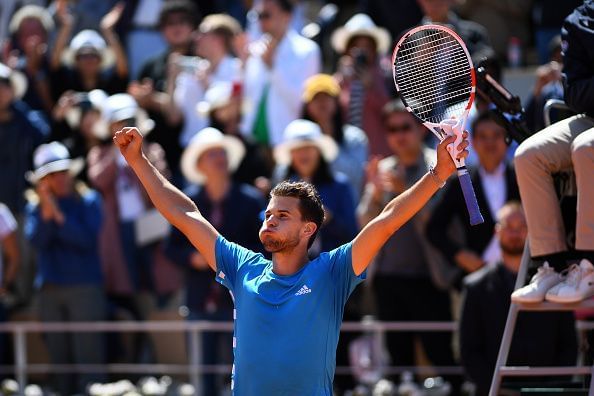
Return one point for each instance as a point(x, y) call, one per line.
point(399, 210)
point(177, 208)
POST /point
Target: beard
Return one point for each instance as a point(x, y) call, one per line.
point(274, 244)
point(512, 248)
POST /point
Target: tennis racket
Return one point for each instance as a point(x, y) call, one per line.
point(435, 78)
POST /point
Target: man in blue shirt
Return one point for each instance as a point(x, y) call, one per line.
point(288, 310)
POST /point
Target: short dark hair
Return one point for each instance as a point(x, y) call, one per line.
point(286, 5)
point(310, 203)
point(487, 115)
point(185, 7)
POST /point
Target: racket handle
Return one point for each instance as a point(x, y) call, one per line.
point(453, 127)
point(469, 197)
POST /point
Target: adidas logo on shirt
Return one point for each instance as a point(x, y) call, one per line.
point(304, 290)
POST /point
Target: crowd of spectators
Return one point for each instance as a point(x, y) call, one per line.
point(233, 98)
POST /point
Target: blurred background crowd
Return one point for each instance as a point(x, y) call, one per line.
point(234, 96)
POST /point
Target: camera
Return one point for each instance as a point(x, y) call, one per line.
point(360, 58)
point(192, 64)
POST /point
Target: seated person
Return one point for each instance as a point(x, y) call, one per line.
point(564, 145)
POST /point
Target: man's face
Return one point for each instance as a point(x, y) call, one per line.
point(432, 8)
point(283, 228)
point(59, 183)
point(512, 231)
point(272, 18)
point(362, 45)
point(488, 140)
point(403, 133)
point(207, 44)
point(177, 29)
point(213, 163)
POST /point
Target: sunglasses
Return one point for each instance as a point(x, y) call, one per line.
point(407, 127)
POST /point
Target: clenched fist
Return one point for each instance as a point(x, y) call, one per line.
point(129, 141)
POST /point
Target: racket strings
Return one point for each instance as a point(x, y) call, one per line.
point(457, 79)
point(433, 75)
point(415, 51)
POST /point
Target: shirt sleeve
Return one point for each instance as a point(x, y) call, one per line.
point(230, 258)
point(341, 268)
point(8, 223)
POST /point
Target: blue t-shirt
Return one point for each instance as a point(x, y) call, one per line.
point(286, 327)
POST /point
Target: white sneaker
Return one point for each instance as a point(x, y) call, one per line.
point(577, 286)
point(545, 278)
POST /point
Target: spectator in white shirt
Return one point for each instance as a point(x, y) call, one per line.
point(278, 65)
point(215, 62)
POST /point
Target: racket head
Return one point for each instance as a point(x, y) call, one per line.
point(434, 75)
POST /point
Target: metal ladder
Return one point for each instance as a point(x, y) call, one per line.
point(501, 369)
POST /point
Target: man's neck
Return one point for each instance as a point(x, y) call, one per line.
point(327, 126)
point(216, 59)
point(5, 115)
point(89, 81)
point(289, 262)
point(409, 158)
point(217, 188)
point(278, 35)
point(490, 167)
point(179, 49)
point(439, 18)
point(511, 262)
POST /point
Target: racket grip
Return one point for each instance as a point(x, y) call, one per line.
point(469, 197)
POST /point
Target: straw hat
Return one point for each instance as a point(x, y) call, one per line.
point(320, 83)
point(85, 42)
point(17, 80)
point(50, 158)
point(204, 140)
point(303, 133)
point(121, 107)
point(360, 25)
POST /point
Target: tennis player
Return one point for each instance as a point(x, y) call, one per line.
point(288, 311)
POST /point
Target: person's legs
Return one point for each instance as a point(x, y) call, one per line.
point(51, 310)
point(393, 298)
point(434, 305)
point(87, 304)
point(582, 157)
point(537, 158)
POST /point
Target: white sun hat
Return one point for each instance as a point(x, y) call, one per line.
point(34, 12)
point(50, 158)
point(17, 80)
point(89, 41)
point(218, 95)
point(207, 139)
point(121, 107)
point(302, 133)
point(360, 25)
